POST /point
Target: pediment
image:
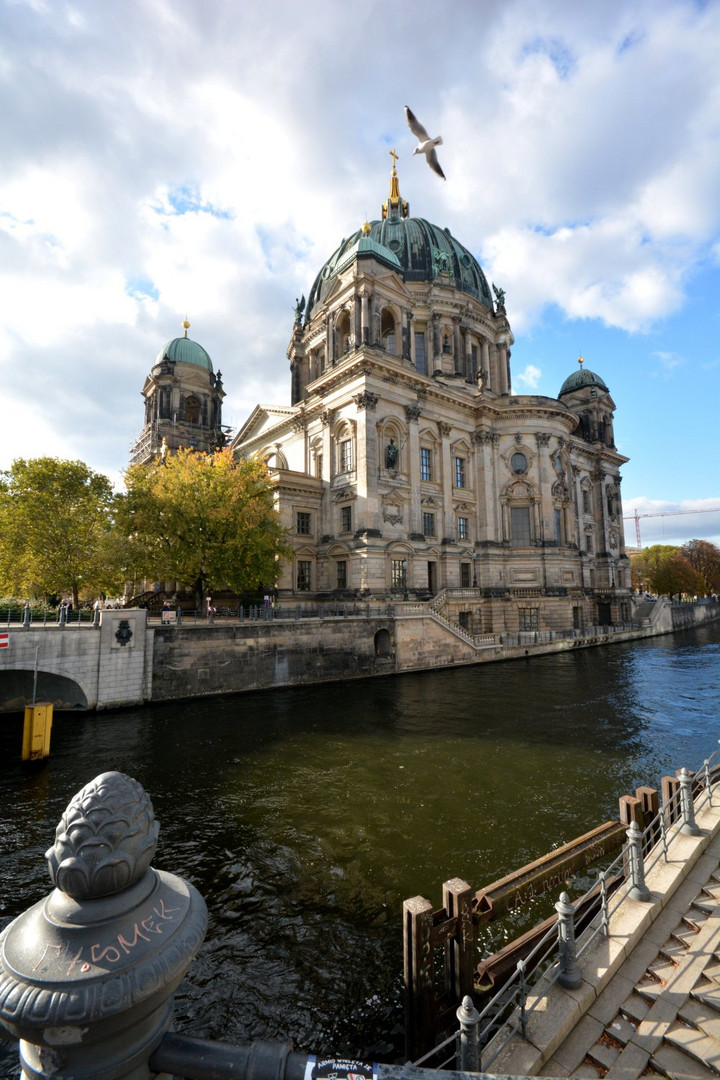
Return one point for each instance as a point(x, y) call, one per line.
point(262, 419)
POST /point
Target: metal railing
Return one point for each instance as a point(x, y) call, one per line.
point(29, 618)
point(556, 957)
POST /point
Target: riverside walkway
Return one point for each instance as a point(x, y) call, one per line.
point(647, 999)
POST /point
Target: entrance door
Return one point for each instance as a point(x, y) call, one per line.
point(432, 577)
point(604, 615)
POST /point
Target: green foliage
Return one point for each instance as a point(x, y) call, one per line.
point(704, 558)
point(205, 520)
point(664, 569)
point(55, 528)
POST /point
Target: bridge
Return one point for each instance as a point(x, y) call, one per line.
point(79, 666)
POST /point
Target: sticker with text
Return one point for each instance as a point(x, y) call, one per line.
point(338, 1069)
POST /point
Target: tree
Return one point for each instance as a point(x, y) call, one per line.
point(704, 558)
point(55, 528)
point(207, 520)
point(665, 571)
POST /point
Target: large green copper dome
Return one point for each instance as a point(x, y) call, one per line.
point(581, 378)
point(419, 250)
point(183, 350)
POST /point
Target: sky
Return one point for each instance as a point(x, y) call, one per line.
point(173, 158)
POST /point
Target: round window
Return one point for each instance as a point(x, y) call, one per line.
point(518, 463)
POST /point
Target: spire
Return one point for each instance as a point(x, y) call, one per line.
point(186, 325)
point(395, 206)
point(581, 361)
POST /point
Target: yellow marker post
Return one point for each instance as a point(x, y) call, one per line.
point(36, 731)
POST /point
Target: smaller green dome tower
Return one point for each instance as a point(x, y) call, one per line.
point(183, 402)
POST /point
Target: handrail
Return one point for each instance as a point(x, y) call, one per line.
point(675, 817)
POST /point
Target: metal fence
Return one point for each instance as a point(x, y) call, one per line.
point(34, 618)
point(556, 957)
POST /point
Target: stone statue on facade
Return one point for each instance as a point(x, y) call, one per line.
point(499, 297)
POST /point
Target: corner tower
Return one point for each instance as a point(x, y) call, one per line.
point(183, 401)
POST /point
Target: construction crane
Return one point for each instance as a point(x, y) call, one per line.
point(665, 513)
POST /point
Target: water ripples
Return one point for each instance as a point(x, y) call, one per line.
point(306, 817)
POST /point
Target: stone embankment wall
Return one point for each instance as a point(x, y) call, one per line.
point(126, 663)
point(202, 660)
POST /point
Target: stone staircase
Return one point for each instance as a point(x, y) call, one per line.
point(668, 1023)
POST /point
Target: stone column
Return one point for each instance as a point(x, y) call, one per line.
point(470, 375)
point(598, 479)
point(490, 381)
point(457, 345)
point(547, 522)
point(328, 467)
point(489, 525)
point(501, 367)
point(436, 343)
point(364, 317)
point(621, 522)
point(446, 479)
point(407, 349)
point(412, 412)
point(367, 512)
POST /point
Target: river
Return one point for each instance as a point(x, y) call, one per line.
point(306, 816)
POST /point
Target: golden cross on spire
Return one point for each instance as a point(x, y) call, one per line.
point(394, 156)
point(581, 359)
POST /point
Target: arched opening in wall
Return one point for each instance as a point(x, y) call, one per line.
point(343, 333)
point(16, 689)
point(387, 331)
point(274, 459)
point(192, 410)
point(382, 642)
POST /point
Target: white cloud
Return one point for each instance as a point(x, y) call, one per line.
point(163, 158)
point(529, 378)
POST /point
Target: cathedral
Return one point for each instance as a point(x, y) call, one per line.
point(404, 467)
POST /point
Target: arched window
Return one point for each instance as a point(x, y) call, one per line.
point(344, 448)
point(518, 463)
point(387, 330)
point(192, 410)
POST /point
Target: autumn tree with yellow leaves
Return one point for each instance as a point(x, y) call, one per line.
point(206, 520)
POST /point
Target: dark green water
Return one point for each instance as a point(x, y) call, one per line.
point(305, 817)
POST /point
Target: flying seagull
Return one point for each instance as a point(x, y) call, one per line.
point(425, 145)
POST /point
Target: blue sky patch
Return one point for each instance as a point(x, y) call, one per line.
point(141, 288)
point(187, 200)
point(557, 53)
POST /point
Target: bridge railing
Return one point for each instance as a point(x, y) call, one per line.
point(28, 617)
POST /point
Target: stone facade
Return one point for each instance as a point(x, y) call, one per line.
point(405, 468)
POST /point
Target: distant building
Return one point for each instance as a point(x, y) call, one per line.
point(183, 402)
point(405, 467)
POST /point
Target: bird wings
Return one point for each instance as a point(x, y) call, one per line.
point(415, 126)
point(425, 145)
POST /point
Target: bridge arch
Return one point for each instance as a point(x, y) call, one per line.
point(16, 690)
